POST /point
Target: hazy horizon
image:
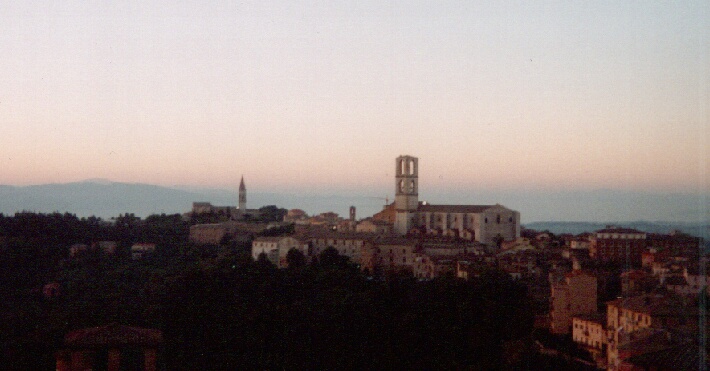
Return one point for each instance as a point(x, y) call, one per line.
point(105, 198)
point(528, 97)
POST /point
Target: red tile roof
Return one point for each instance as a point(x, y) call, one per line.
point(454, 208)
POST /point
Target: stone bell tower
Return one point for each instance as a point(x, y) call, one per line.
point(406, 199)
point(242, 197)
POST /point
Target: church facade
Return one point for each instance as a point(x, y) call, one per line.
point(483, 223)
point(234, 212)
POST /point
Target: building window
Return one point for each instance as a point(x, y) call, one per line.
point(498, 219)
point(485, 220)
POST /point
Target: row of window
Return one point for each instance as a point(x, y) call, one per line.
point(578, 325)
point(467, 220)
point(621, 236)
point(595, 343)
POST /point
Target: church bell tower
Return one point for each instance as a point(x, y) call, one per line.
point(242, 197)
point(406, 199)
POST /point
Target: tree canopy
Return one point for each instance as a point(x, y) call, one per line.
point(219, 309)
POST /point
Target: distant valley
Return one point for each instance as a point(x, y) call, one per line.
point(558, 212)
point(107, 199)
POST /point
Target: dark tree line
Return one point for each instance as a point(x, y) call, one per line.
point(219, 309)
point(265, 214)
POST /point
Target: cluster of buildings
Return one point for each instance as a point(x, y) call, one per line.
point(409, 234)
point(239, 212)
point(653, 319)
point(424, 258)
point(137, 250)
point(657, 315)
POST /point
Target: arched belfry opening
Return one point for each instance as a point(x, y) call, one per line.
point(406, 166)
point(406, 192)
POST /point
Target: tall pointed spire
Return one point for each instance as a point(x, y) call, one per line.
point(242, 196)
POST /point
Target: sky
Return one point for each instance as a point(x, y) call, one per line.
point(304, 96)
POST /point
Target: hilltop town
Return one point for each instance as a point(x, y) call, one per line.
point(417, 285)
point(626, 297)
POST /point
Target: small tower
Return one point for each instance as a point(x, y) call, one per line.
point(242, 197)
point(406, 198)
point(352, 213)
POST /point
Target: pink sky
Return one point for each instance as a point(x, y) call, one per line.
point(324, 97)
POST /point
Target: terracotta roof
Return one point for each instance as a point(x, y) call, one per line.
point(578, 272)
point(653, 304)
point(645, 340)
point(395, 240)
point(322, 233)
point(635, 274)
point(673, 237)
point(679, 357)
point(594, 317)
point(270, 238)
point(113, 335)
point(454, 208)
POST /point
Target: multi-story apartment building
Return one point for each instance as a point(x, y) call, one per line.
point(574, 294)
point(675, 243)
point(626, 316)
point(618, 245)
point(589, 331)
point(391, 253)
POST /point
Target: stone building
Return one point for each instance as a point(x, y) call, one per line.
point(296, 216)
point(390, 254)
point(373, 226)
point(387, 215)
point(239, 212)
point(589, 331)
point(627, 318)
point(276, 249)
point(674, 244)
point(574, 295)
point(618, 245)
point(209, 234)
point(483, 223)
point(350, 245)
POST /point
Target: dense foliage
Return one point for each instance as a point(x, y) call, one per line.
point(218, 309)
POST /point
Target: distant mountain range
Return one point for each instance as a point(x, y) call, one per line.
point(568, 211)
point(696, 229)
point(108, 199)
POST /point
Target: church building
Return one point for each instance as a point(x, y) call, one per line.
point(234, 212)
point(483, 223)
